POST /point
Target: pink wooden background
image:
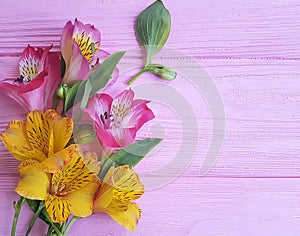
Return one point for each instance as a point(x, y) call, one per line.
point(251, 50)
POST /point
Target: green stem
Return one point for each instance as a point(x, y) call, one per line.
point(57, 231)
point(49, 231)
point(74, 218)
point(35, 216)
point(136, 76)
point(17, 206)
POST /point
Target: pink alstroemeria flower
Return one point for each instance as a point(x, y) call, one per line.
point(117, 120)
point(39, 78)
point(80, 45)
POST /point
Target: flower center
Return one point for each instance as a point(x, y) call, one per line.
point(87, 47)
point(28, 69)
point(59, 189)
point(105, 117)
point(119, 112)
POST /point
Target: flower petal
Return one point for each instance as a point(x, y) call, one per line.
point(121, 106)
point(54, 163)
point(73, 176)
point(91, 161)
point(39, 131)
point(33, 93)
point(97, 106)
point(16, 141)
point(128, 218)
point(85, 36)
point(52, 65)
point(123, 136)
point(78, 67)
point(82, 199)
point(29, 63)
point(34, 182)
point(127, 184)
point(139, 114)
point(63, 128)
point(11, 88)
point(58, 208)
point(66, 42)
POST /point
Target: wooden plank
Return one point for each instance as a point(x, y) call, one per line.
point(269, 206)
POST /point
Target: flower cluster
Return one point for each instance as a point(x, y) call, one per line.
point(59, 179)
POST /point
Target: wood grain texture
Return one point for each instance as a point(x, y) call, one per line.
point(251, 51)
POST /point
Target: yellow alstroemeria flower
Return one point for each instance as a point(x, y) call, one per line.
point(42, 137)
point(68, 191)
point(120, 186)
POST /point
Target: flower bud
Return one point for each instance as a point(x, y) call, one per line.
point(164, 72)
point(62, 91)
point(84, 134)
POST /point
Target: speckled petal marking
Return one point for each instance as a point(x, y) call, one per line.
point(58, 208)
point(87, 47)
point(29, 67)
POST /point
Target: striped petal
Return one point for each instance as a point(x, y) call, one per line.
point(39, 131)
point(73, 176)
point(63, 128)
point(127, 184)
point(58, 208)
point(16, 141)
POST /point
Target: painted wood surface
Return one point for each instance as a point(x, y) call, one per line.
point(251, 51)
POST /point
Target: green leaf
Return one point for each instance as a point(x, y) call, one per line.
point(152, 28)
point(130, 155)
point(70, 96)
point(100, 77)
point(134, 153)
point(34, 205)
point(86, 94)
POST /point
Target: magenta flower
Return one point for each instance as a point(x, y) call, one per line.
point(118, 120)
point(38, 80)
point(80, 45)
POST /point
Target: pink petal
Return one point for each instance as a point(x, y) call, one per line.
point(43, 56)
point(67, 42)
point(29, 63)
point(89, 30)
point(139, 114)
point(106, 138)
point(52, 64)
point(78, 67)
point(33, 93)
point(97, 106)
point(11, 89)
point(29, 51)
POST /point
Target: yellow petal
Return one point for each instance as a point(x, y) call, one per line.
point(16, 141)
point(127, 184)
point(62, 130)
point(82, 199)
point(54, 163)
point(34, 182)
point(128, 218)
point(73, 176)
point(91, 161)
point(105, 195)
point(39, 131)
point(58, 208)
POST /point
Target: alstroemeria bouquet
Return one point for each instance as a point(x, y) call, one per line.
point(60, 179)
